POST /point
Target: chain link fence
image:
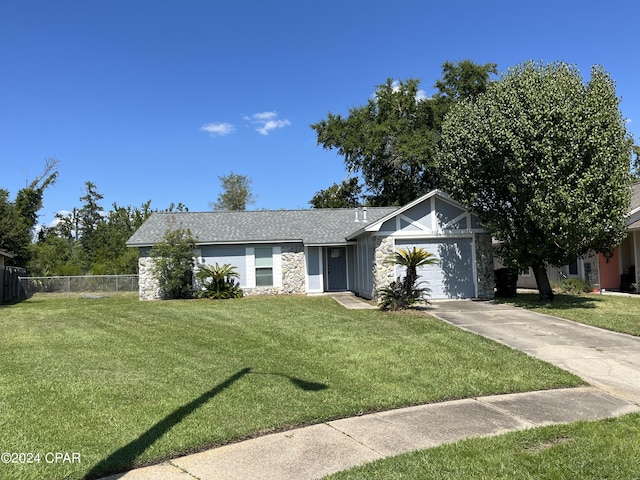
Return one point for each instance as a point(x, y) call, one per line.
point(81, 286)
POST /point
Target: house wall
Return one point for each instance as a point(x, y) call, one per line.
point(315, 277)
point(452, 234)
point(288, 268)
point(610, 270)
point(628, 255)
point(383, 272)
point(351, 266)
point(147, 284)
point(363, 266)
point(224, 254)
point(291, 273)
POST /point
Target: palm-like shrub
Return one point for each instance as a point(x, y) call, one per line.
point(404, 292)
point(219, 282)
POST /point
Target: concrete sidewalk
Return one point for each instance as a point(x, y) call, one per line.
point(609, 361)
point(319, 450)
point(351, 302)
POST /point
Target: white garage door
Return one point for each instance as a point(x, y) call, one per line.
point(452, 276)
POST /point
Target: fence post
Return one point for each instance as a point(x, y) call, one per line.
point(68, 286)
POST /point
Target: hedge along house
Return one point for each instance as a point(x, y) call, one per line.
point(332, 250)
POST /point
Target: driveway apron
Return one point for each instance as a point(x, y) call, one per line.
point(607, 360)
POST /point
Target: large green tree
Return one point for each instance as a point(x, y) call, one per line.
point(19, 218)
point(391, 141)
point(236, 193)
point(543, 158)
point(14, 231)
point(91, 216)
point(344, 195)
point(29, 199)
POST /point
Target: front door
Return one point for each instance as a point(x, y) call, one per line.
point(336, 268)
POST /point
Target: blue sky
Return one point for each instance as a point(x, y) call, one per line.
point(156, 99)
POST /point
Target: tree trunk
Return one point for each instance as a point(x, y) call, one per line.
point(542, 280)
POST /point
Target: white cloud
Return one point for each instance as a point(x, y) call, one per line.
point(264, 116)
point(267, 121)
point(218, 129)
point(56, 219)
point(421, 95)
point(395, 87)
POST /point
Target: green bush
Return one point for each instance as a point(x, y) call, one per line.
point(218, 282)
point(574, 286)
point(173, 264)
point(396, 297)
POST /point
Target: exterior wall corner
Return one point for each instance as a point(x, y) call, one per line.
point(148, 288)
point(383, 273)
point(484, 266)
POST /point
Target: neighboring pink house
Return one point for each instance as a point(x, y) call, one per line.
point(623, 269)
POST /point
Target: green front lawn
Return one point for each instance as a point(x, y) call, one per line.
point(123, 383)
point(613, 312)
point(605, 449)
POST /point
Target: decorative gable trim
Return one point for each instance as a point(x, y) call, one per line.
point(375, 226)
point(410, 221)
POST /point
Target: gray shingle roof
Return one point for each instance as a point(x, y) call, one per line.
point(312, 227)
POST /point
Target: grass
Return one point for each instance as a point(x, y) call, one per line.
point(586, 450)
point(124, 383)
point(613, 312)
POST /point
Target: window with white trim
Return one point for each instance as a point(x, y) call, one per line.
point(264, 266)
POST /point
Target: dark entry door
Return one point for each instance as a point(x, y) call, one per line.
point(336, 268)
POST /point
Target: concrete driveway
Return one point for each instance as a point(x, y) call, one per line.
point(607, 360)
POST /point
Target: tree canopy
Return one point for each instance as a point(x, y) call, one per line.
point(391, 141)
point(89, 239)
point(236, 193)
point(543, 158)
point(344, 195)
point(19, 218)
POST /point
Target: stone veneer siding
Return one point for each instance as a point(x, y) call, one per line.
point(147, 285)
point(293, 274)
point(383, 273)
point(484, 266)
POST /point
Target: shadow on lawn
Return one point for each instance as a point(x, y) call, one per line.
point(125, 457)
point(560, 302)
